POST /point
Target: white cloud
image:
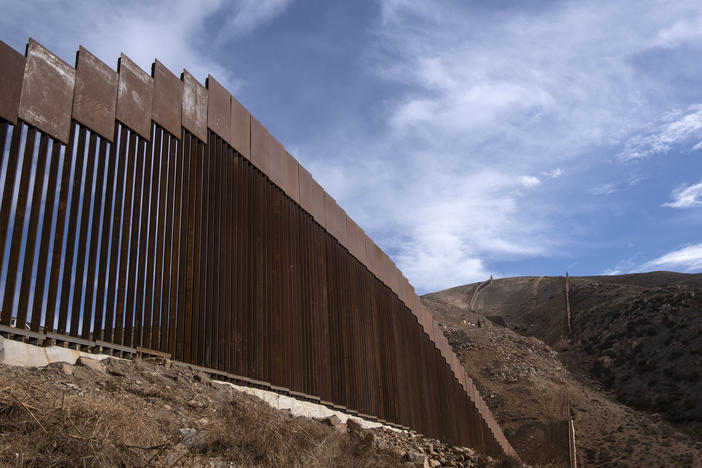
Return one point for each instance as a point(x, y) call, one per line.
point(686, 197)
point(554, 173)
point(604, 189)
point(529, 181)
point(687, 259)
point(487, 104)
point(246, 15)
point(684, 30)
point(174, 31)
point(676, 128)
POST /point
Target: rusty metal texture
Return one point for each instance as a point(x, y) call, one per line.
point(267, 154)
point(76, 307)
point(77, 149)
point(311, 196)
point(11, 74)
point(356, 240)
point(47, 92)
point(374, 256)
point(43, 260)
point(95, 96)
point(290, 182)
point(134, 97)
point(167, 105)
point(224, 265)
point(194, 102)
point(218, 109)
point(335, 219)
point(240, 129)
point(388, 272)
point(17, 227)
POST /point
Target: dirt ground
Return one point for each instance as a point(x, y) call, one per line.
point(526, 382)
point(151, 413)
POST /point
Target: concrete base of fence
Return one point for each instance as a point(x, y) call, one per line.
point(16, 353)
point(307, 409)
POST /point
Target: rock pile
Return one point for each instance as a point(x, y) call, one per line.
point(412, 449)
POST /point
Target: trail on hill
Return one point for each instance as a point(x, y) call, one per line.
point(527, 367)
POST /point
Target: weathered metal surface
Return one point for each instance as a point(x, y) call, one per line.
point(134, 97)
point(11, 73)
point(311, 196)
point(43, 260)
point(240, 132)
point(94, 251)
point(335, 219)
point(356, 240)
point(58, 241)
point(194, 102)
point(7, 193)
point(120, 159)
point(291, 177)
point(406, 291)
point(95, 97)
point(16, 229)
point(166, 109)
point(267, 154)
point(373, 257)
point(218, 109)
point(90, 156)
point(387, 271)
point(237, 278)
point(47, 92)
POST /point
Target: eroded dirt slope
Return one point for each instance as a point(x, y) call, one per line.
point(149, 413)
point(526, 366)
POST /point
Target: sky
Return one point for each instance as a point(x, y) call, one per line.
point(467, 138)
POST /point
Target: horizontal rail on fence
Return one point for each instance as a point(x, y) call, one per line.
point(176, 225)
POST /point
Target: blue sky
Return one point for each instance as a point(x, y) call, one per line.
point(466, 138)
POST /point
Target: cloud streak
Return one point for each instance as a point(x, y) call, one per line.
point(486, 100)
point(677, 128)
point(174, 31)
point(686, 197)
point(244, 16)
point(688, 260)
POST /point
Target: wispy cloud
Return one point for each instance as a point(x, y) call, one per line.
point(678, 128)
point(686, 196)
point(618, 185)
point(246, 15)
point(174, 31)
point(688, 259)
point(554, 173)
point(490, 102)
point(604, 189)
point(529, 181)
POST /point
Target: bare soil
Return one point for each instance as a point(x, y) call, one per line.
point(151, 413)
point(643, 410)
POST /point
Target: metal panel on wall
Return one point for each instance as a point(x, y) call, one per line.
point(244, 267)
point(11, 75)
point(134, 97)
point(46, 75)
point(95, 97)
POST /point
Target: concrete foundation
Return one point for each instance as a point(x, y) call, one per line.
point(16, 353)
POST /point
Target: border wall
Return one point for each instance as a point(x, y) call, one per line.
point(149, 213)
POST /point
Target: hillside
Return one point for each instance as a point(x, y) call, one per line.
point(151, 413)
point(634, 393)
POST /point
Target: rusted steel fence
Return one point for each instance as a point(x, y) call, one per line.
point(148, 213)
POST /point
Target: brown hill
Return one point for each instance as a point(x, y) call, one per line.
point(631, 370)
point(151, 413)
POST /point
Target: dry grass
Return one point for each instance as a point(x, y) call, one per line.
point(133, 418)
